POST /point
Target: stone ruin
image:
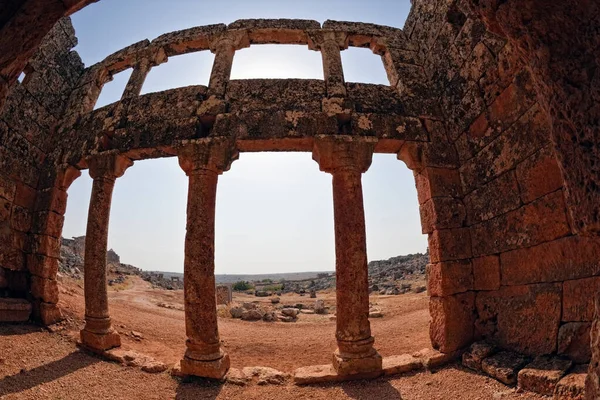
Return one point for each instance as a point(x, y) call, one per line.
point(224, 294)
point(492, 104)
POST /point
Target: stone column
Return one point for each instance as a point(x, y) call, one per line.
point(346, 158)
point(224, 48)
point(98, 334)
point(331, 46)
point(202, 161)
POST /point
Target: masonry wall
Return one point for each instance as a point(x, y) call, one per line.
point(513, 271)
point(32, 195)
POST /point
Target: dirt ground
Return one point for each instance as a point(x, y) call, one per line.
point(38, 364)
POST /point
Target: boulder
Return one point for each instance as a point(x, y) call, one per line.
point(320, 307)
point(290, 312)
point(275, 300)
point(269, 316)
point(250, 306)
point(252, 315)
point(236, 312)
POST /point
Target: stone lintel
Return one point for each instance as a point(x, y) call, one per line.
point(317, 38)
point(108, 165)
point(213, 154)
point(230, 40)
point(343, 152)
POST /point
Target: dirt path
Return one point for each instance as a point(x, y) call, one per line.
point(278, 345)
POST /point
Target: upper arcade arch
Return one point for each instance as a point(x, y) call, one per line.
point(259, 114)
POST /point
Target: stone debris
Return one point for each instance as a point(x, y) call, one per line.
point(265, 375)
point(473, 357)
point(132, 359)
point(504, 366)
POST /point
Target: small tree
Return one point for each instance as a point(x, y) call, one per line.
point(241, 286)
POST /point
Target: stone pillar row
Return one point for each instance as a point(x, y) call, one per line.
point(203, 160)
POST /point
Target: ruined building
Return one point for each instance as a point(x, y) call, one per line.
point(495, 106)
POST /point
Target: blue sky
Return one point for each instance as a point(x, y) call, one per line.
point(274, 210)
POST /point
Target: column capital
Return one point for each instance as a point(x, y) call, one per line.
point(210, 154)
point(343, 152)
point(111, 165)
point(317, 38)
point(233, 40)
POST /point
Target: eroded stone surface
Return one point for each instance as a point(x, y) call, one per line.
point(504, 366)
point(542, 374)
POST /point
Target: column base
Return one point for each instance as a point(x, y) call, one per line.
point(213, 369)
point(357, 358)
point(100, 341)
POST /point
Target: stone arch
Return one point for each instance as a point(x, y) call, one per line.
point(473, 109)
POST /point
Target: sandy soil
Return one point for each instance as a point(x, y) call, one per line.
point(37, 364)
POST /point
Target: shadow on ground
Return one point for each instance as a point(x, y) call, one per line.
point(45, 373)
point(19, 329)
point(198, 389)
point(364, 390)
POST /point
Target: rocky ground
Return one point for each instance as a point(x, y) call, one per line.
point(38, 364)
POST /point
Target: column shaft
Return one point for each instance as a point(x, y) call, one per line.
point(199, 279)
point(352, 285)
point(98, 334)
point(96, 241)
point(221, 70)
point(332, 69)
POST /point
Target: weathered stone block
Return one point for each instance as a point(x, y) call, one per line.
point(485, 203)
point(45, 245)
point(559, 260)
point(449, 244)
point(449, 277)
point(539, 175)
point(42, 266)
point(441, 213)
point(452, 321)
point(504, 366)
point(25, 196)
point(574, 341)
point(437, 182)
point(473, 357)
point(542, 374)
point(578, 299)
point(44, 289)
point(541, 221)
point(523, 318)
point(572, 386)
point(14, 310)
point(486, 273)
point(48, 223)
point(394, 365)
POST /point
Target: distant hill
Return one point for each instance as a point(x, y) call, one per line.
point(232, 278)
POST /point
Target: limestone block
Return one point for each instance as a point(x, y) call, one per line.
point(486, 273)
point(504, 366)
point(559, 260)
point(578, 295)
point(513, 315)
point(473, 357)
point(449, 277)
point(14, 310)
point(574, 341)
point(450, 244)
point(572, 386)
point(452, 321)
point(540, 221)
point(394, 365)
point(542, 374)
